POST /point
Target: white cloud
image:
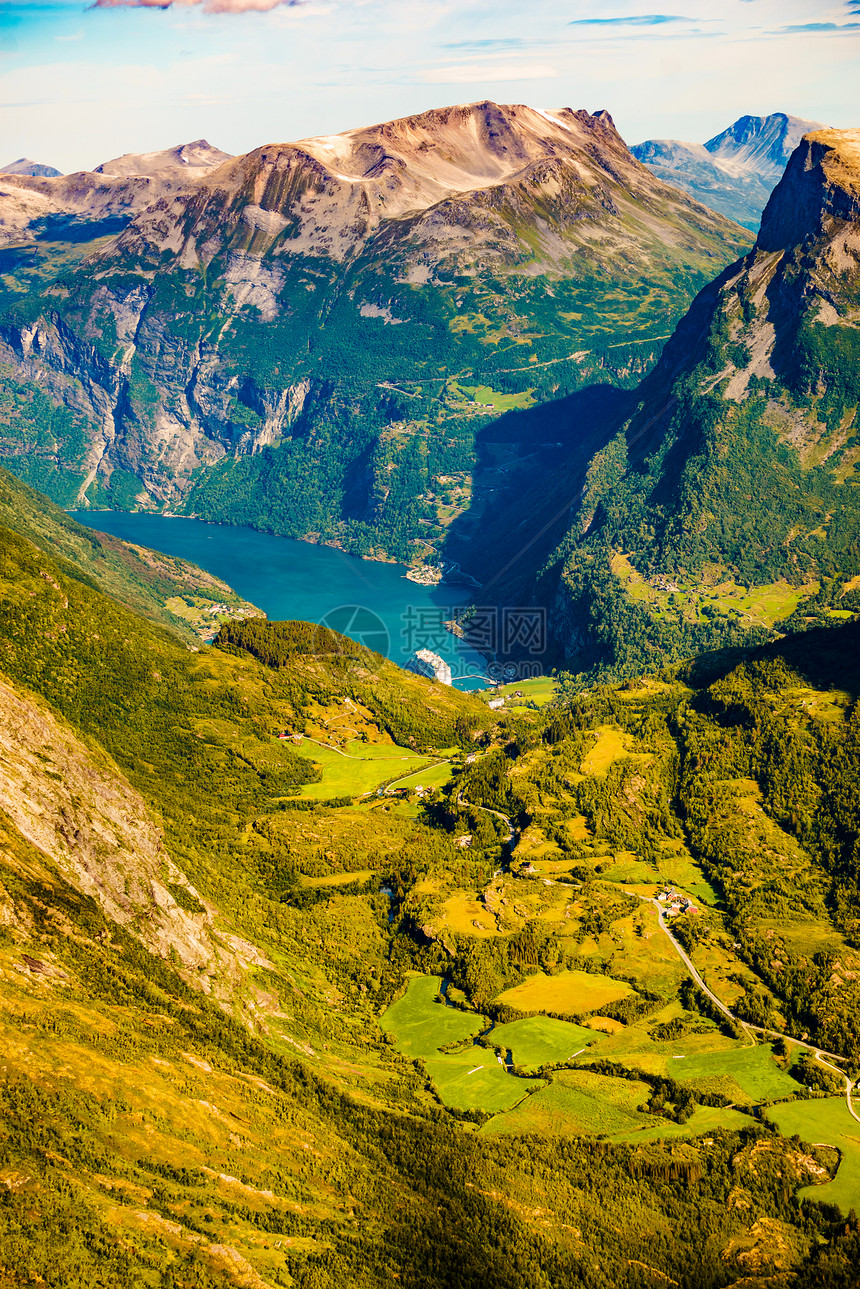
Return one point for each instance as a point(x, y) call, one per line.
point(209, 6)
point(466, 73)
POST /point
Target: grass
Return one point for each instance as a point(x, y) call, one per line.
point(540, 690)
point(470, 1080)
point(703, 1119)
point(543, 1040)
point(611, 746)
point(561, 1109)
point(477, 1082)
point(353, 774)
point(570, 991)
point(421, 1026)
point(753, 1069)
point(500, 402)
point(826, 1122)
point(433, 777)
point(466, 916)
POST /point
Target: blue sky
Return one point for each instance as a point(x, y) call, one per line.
point(83, 82)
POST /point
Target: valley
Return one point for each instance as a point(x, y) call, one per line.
point(316, 971)
point(229, 1024)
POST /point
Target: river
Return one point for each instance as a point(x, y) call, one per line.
point(372, 602)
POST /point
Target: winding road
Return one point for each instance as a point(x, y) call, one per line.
point(819, 1054)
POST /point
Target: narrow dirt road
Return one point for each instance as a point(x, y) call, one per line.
point(818, 1053)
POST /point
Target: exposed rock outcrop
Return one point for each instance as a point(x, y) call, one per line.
point(71, 803)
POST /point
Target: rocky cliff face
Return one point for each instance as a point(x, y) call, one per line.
point(739, 466)
point(72, 804)
point(330, 309)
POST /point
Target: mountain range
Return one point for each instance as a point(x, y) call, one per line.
point(476, 258)
point(736, 170)
point(317, 972)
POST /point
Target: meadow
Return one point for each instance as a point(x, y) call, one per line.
point(826, 1121)
point(362, 768)
point(752, 1069)
point(574, 992)
point(468, 1080)
point(543, 1040)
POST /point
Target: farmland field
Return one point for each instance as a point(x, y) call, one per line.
point(433, 777)
point(753, 1069)
point(421, 1025)
point(570, 991)
point(562, 1109)
point(542, 1040)
point(477, 1081)
point(467, 1080)
point(704, 1119)
point(826, 1121)
point(362, 770)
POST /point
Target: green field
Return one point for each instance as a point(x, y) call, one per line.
point(752, 1069)
point(576, 992)
point(561, 1109)
point(421, 1025)
point(472, 1080)
point(433, 777)
point(543, 1040)
point(826, 1121)
point(477, 1082)
point(703, 1119)
point(581, 1103)
point(362, 770)
point(540, 690)
point(501, 402)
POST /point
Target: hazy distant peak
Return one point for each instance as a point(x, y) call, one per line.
point(23, 166)
point(760, 143)
point(194, 159)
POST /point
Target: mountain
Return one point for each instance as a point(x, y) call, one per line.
point(311, 338)
point(23, 166)
point(256, 1034)
point(734, 172)
point(163, 589)
point(761, 144)
point(192, 159)
point(39, 205)
point(725, 500)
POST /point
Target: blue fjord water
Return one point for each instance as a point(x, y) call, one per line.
point(291, 579)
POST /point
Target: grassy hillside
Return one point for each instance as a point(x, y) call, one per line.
point(223, 1061)
point(164, 589)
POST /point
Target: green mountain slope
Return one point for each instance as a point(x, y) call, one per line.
point(728, 501)
point(310, 337)
point(166, 590)
point(204, 1080)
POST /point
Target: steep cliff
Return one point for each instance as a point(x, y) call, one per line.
point(730, 499)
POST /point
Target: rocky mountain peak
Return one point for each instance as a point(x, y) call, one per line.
point(760, 143)
point(24, 166)
point(195, 159)
point(821, 181)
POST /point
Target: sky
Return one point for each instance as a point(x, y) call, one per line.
point(83, 81)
